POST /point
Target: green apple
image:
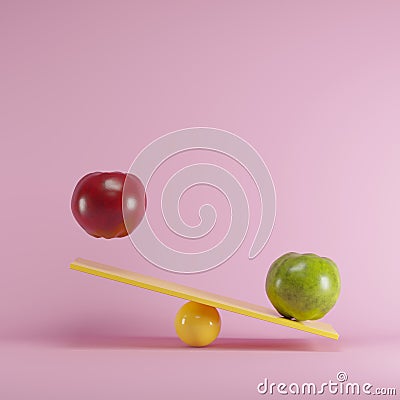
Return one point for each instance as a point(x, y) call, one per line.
point(303, 286)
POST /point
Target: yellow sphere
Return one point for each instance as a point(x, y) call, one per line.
point(197, 324)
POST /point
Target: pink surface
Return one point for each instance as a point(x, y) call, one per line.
point(313, 86)
point(125, 368)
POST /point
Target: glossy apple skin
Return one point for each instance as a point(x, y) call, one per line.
point(99, 207)
point(303, 286)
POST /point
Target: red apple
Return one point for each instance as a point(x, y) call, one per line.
point(99, 208)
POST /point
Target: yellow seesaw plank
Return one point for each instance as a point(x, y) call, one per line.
point(200, 296)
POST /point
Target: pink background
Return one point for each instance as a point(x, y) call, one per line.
point(313, 86)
